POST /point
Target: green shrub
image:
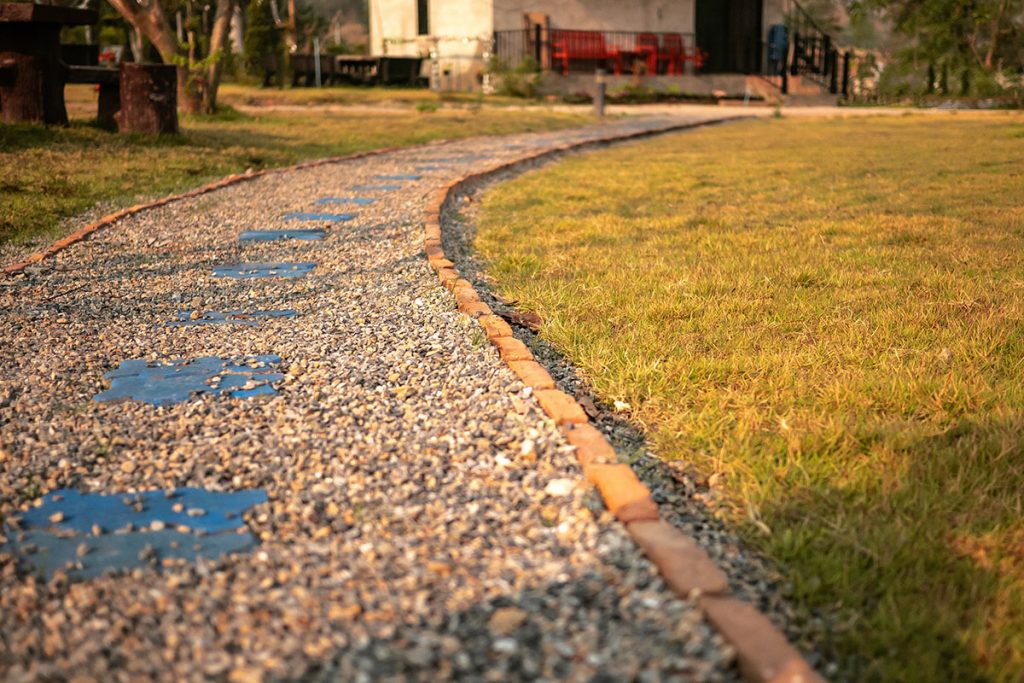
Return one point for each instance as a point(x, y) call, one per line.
point(522, 81)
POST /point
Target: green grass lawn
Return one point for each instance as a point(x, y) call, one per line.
point(48, 174)
point(829, 316)
point(236, 94)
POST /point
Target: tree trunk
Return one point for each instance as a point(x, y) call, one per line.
point(148, 99)
point(22, 94)
point(35, 74)
point(218, 49)
point(136, 45)
point(994, 27)
point(190, 99)
point(150, 20)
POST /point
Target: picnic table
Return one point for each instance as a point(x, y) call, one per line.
point(32, 75)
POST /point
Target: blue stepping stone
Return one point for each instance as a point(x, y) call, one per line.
point(162, 384)
point(200, 510)
point(310, 234)
point(431, 167)
point(48, 553)
point(361, 201)
point(371, 188)
point(250, 270)
point(408, 176)
point(69, 544)
point(251, 318)
point(311, 216)
point(258, 390)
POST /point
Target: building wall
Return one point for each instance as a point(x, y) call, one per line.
point(393, 25)
point(775, 13)
point(455, 20)
point(460, 34)
point(460, 29)
point(609, 15)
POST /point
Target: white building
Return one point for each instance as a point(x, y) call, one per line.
point(460, 34)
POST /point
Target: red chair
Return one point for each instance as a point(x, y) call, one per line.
point(675, 55)
point(698, 57)
point(672, 53)
point(569, 45)
point(647, 48)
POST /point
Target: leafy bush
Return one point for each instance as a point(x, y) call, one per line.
point(634, 94)
point(578, 98)
point(522, 81)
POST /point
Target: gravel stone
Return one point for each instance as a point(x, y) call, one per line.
point(415, 487)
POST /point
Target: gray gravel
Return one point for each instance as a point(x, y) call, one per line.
point(426, 520)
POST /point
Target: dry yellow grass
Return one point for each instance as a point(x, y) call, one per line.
point(829, 315)
point(48, 174)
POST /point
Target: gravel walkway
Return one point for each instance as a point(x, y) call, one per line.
point(425, 520)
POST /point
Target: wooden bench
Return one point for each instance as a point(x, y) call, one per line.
point(304, 69)
point(357, 69)
point(7, 73)
point(567, 45)
point(33, 73)
point(109, 81)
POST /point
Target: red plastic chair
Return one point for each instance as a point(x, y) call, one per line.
point(698, 57)
point(569, 45)
point(647, 47)
point(672, 53)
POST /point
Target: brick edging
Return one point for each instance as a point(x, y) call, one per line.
point(763, 652)
point(86, 230)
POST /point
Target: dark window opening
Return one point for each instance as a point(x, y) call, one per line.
point(423, 17)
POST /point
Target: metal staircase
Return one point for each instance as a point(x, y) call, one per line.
point(808, 62)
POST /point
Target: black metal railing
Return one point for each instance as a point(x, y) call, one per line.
point(799, 47)
point(802, 48)
point(581, 51)
point(814, 55)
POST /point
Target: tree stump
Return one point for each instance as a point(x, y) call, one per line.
point(149, 99)
point(21, 89)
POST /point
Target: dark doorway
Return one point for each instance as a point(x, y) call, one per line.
point(422, 17)
point(729, 31)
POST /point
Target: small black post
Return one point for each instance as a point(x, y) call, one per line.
point(599, 94)
point(796, 57)
point(536, 45)
point(826, 54)
point(846, 75)
point(786, 57)
point(833, 67)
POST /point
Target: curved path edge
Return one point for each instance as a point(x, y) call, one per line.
point(763, 651)
point(85, 231)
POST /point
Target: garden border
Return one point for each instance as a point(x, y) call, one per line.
point(764, 653)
